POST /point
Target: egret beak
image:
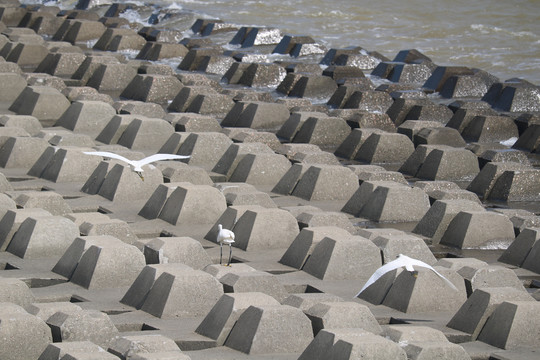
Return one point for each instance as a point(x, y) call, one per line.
point(140, 175)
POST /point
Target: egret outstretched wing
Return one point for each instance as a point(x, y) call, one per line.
point(423, 264)
point(392, 265)
point(401, 261)
point(109, 155)
point(159, 157)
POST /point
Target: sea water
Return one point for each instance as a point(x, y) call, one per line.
point(501, 37)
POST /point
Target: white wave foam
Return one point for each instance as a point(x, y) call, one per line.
point(509, 142)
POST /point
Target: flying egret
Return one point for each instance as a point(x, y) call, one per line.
point(137, 164)
point(402, 260)
point(225, 237)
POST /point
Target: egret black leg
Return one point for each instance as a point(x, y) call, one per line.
point(230, 255)
point(220, 253)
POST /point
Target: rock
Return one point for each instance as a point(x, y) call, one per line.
point(183, 250)
point(474, 229)
point(343, 258)
point(279, 329)
point(513, 324)
point(474, 313)
point(85, 325)
point(342, 314)
point(219, 322)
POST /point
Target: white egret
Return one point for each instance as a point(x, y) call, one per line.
point(225, 237)
point(137, 164)
point(402, 260)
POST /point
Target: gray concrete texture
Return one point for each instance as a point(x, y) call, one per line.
point(323, 173)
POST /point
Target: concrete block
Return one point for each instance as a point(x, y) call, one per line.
point(317, 218)
point(105, 226)
point(139, 289)
point(503, 155)
point(183, 250)
point(263, 137)
point(45, 310)
point(343, 258)
point(188, 203)
point(218, 271)
point(55, 351)
point(474, 229)
point(152, 88)
point(90, 65)
point(229, 218)
point(22, 336)
point(235, 153)
point(111, 77)
point(322, 131)
point(270, 329)
point(426, 293)
point(457, 264)
point(60, 64)
point(260, 169)
point(288, 182)
point(385, 148)
point(85, 325)
point(43, 237)
point(119, 183)
point(528, 140)
point(482, 277)
point(87, 117)
point(79, 31)
point(178, 172)
point(342, 314)
point(517, 185)
point(21, 152)
point(490, 129)
point(28, 55)
point(370, 100)
point(15, 291)
point(116, 39)
point(304, 301)
point(47, 200)
point(513, 96)
point(45, 103)
point(392, 245)
point(429, 350)
point(159, 51)
point(250, 197)
point(313, 86)
point(404, 334)
point(387, 199)
point(12, 220)
point(436, 164)
point(415, 160)
point(519, 250)
point(186, 95)
point(256, 115)
point(127, 346)
point(351, 344)
point(135, 107)
point(180, 292)
point(531, 261)
point(104, 262)
point(193, 122)
point(262, 75)
point(11, 86)
point(254, 36)
point(146, 134)
point(265, 228)
point(219, 322)
point(294, 122)
point(513, 324)
point(64, 165)
point(453, 194)
point(115, 128)
point(204, 148)
point(348, 148)
point(436, 220)
point(474, 313)
point(254, 281)
point(6, 203)
point(376, 173)
point(485, 180)
point(326, 182)
point(154, 205)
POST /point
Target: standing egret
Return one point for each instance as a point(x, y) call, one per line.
point(402, 260)
point(225, 237)
point(137, 164)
